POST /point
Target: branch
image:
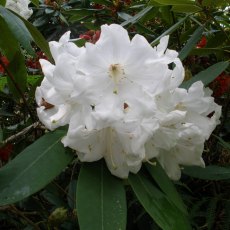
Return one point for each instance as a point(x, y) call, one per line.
point(21, 133)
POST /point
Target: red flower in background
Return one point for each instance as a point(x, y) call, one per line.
point(34, 63)
point(220, 85)
point(91, 36)
point(5, 152)
point(97, 6)
point(6, 63)
point(202, 43)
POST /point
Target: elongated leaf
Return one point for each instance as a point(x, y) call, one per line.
point(176, 2)
point(101, 202)
point(8, 38)
point(35, 2)
point(138, 16)
point(166, 185)
point(207, 51)
point(211, 172)
point(38, 38)
point(18, 72)
point(169, 31)
point(164, 213)
point(206, 76)
point(33, 168)
point(81, 12)
point(191, 43)
point(18, 29)
point(222, 142)
point(186, 8)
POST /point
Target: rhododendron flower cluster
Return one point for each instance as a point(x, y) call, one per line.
point(20, 7)
point(121, 101)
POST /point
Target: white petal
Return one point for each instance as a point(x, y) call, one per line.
point(54, 117)
point(162, 45)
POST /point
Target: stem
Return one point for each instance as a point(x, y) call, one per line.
point(21, 133)
point(63, 190)
point(17, 88)
point(13, 208)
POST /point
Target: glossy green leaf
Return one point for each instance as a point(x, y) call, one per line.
point(138, 16)
point(176, 2)
point(38, 38)
point(166, 14)
point(155, 202)
point(169, 31)
point(101, 202)
point(71, 198)
point(33, 168)
point(186, 8)
point(8, 38)
point(166, 185)
point(35, 2)
point(207, 51)
point(211, 172)
point(191, 43)
point(81, 12)
point(18, 72)
point(206, 76)
point(18, 29)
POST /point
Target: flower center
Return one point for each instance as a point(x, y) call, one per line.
point(116, 72)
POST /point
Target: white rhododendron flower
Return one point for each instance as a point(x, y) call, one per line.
point(122, 102)
point(20, 7)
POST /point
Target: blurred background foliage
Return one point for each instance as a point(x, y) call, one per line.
point(199, 30)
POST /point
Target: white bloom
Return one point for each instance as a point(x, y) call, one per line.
point(20, 7)
point(122, 103)
point(186, 122)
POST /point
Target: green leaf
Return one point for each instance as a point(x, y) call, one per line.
point(101, 202)
point(166, 14)
point(214, 3)
point(81, 12)
point(35, 2)
point(2, 2)
point(137, 17)
point(8, 38)
point(71, 199)
point(186, 8)
point(18, 72)
point(18, 29)
point(33, 168)
point(222, 142)
point(38, 38)
point(211, 172)
point(176, 2)
point(169, 31)
point(206, 76)
point(164, 213)
point(40, 21)
point(166, 185)
point(191, 43)
point(207, 51)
